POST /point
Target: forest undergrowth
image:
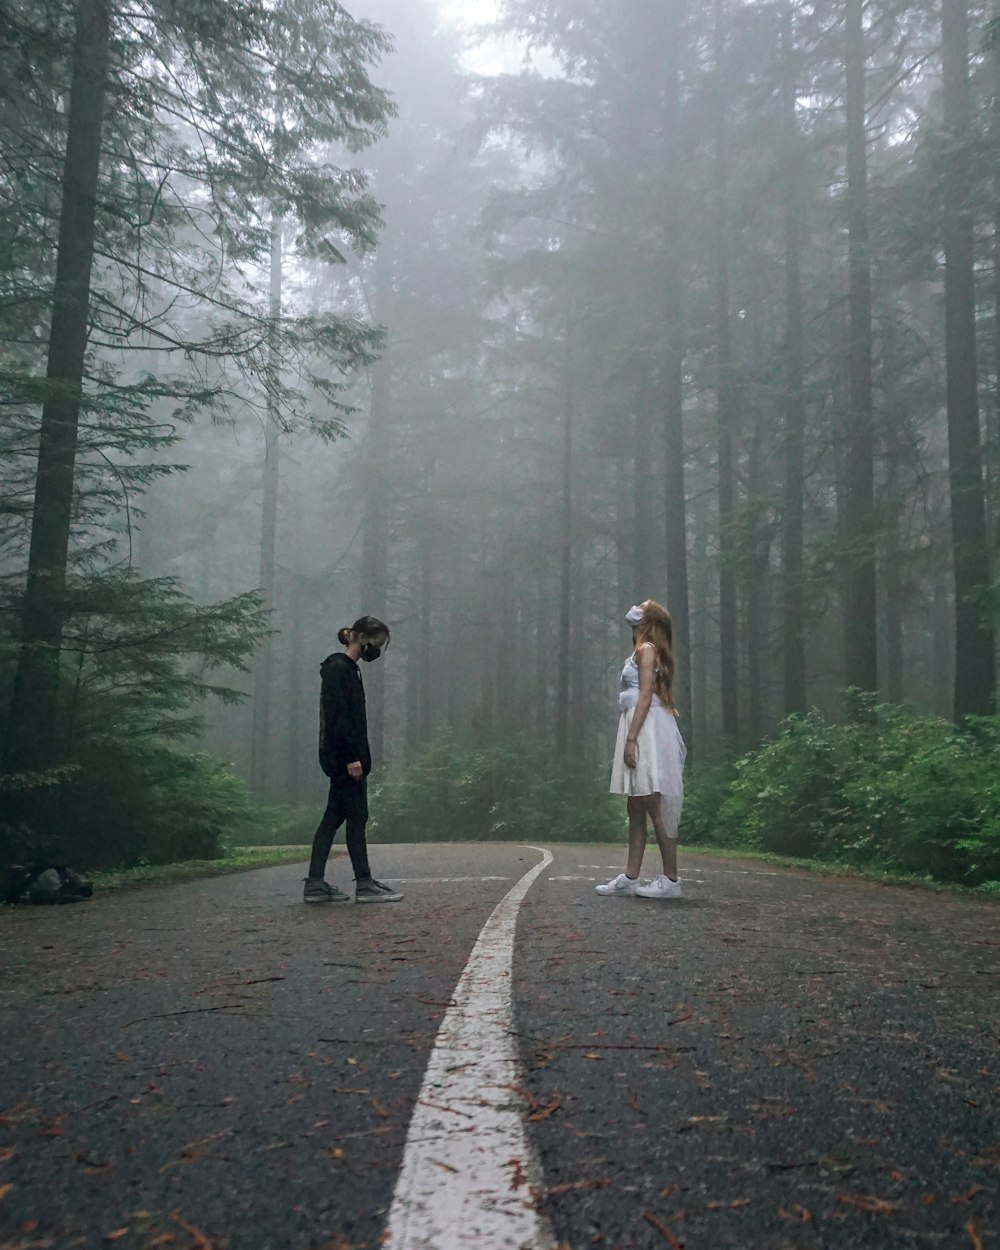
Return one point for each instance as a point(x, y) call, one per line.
point(121, 804)
point(893, 792)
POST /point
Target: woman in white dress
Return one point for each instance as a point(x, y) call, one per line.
point(649, 755)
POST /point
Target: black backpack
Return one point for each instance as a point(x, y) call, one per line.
point(42, 883)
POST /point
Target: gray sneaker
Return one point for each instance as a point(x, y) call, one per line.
point(316, 890)
point(372, 891)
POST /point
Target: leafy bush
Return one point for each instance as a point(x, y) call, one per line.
point(503, 792)
point(706, 788)
point(893, 790)
point(948, 805)
point(125, 804)
point(138, 661)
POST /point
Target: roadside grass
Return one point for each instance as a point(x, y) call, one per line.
point(239, 859)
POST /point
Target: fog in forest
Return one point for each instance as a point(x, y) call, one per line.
point(545, 308)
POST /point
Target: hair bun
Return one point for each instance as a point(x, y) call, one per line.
point(344, 636)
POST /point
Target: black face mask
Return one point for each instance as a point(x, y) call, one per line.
point(369, 652)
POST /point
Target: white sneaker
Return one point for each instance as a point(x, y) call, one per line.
point(659, 887)
point(619, 885)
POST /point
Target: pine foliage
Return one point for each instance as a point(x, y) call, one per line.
point(218, 117)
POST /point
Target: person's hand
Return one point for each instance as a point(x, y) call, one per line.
point(631, 755)
point(355, 771)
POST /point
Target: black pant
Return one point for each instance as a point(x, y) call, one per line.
point(348, 802)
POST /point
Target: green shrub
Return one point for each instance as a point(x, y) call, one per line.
point(706, 788)
point(947, 802)
point(503, 792)
point(123, 804)
point(892, 791)
point(125, 791)
point(145, 803)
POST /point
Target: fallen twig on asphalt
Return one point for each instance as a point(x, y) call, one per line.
point(201, 1240)
point(868, 1202)
point(88, 1106)
point(571, 1185)
point(354, 1041)
point(190, 1011)
point(662, 1229)
point(368, 1132)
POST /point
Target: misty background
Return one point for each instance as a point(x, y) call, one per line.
point(623, 299)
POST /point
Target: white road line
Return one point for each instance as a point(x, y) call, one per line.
point(438, 880)
point(729, 872)
point(735, 871)
point(468, 1165)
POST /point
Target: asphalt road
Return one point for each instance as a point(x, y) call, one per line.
point(776, 1060)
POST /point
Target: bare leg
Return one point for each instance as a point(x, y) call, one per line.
point(668, 845)
point(636, 836)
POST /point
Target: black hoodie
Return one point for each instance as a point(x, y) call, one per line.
point(343, 722)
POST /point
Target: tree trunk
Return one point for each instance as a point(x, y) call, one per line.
point(505, 621)
point(419, 674)
point(375, 534)
point(861, 615)
point(992, 448)
point(729, 668)
point(626, 478)
point(893, 559)
point(647, 561)
point(673, 385)
point(992, 432)
point(756, 564)
point(263, 673)
point(943, 653)
point(301, 718)
point(33, 742)
point(755, 600)
point(676, 522)
point(975, 664)
point(699, 718)
point(894, 608)
point(566, 632)
point(792, 540)
point(543, 657)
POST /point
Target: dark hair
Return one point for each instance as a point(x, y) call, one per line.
point(363, 627)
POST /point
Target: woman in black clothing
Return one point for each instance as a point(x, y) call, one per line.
point(345, 757)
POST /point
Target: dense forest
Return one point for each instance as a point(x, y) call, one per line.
point(311, 310)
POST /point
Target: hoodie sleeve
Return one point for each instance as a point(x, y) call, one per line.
point(343, 736)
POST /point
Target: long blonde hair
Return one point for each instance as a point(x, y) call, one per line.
point(657, 627)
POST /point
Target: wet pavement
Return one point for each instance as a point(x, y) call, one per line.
point(775, 1060)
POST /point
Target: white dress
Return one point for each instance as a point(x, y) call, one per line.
point(660, 751)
